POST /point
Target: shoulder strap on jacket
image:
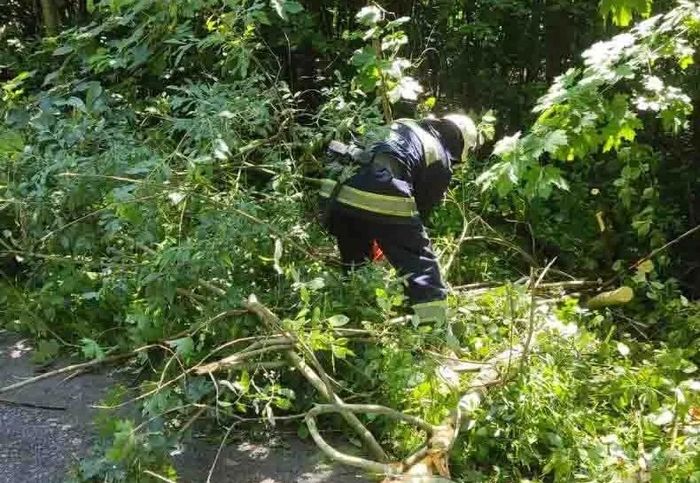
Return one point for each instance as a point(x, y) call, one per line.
point(431, 147)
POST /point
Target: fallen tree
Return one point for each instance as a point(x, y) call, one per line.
point(156, 169)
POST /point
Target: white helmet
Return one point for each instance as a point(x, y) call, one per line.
point(468, 130)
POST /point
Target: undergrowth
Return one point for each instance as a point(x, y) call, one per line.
point(155, 174)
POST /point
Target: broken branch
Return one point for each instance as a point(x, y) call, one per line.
point(268, 317)
point(235, 360)
point(63, 370)
point(346, 459)
point(374, 409)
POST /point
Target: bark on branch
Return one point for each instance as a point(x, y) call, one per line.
point(70, 368)
point(343, 458)
point(236, 360)
point(397, 471)
point(372, 409)
point(273, 322)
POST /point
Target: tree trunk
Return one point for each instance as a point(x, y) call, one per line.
point(693, 275)
point(81, 12)
point(49, 14)
point(557, 38)
point(533, 68)
point(695, 93)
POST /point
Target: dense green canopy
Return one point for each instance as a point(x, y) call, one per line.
point(155, 171)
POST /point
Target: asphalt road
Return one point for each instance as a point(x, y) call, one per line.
point(39, 445)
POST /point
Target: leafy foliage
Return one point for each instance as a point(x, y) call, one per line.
point(154, 162)
point(622, 11)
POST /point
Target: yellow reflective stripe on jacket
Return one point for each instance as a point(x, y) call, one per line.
point(431, 147)
point(376, 203)
point(435, 311)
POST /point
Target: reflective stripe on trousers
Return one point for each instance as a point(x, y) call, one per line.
point(373, 202)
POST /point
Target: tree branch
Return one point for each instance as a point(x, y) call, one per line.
point(375, 409)
point(343, 458)
point(237, 359)
point(269, 318)
point(63, 370)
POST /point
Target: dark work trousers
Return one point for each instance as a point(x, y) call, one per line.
point(406, 246)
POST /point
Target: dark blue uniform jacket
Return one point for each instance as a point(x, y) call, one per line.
point(414, 179)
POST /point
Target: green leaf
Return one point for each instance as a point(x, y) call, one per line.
point(622, 11)
point(398, 22)
point(139, 56)
point(645, 267)
point(176, 197)
point(63, 50)
point(555, 140)
point(260, 17)
point(293, 7)
point(506, 145)
point(394, 41)
point(364, 57)
point(124, 443)
point(316, 284)
point(277, 256)
point(50, 77)
point(73, 102)
point(227, 384)
point(93, 92)
point(338, 320)
point(622, 16)
point(685, 61)
point(11, 142)
point(124, 193)
point(623, 349)
point(282, 403)
point(47, 350)
point(408, 88)
point(284, 7)
point(642, 227)
point(183, 347)
point(341, 352)
point(278, 5)
point(91, 349)
point(221, 150)
point(369, 15)
point(243, 383)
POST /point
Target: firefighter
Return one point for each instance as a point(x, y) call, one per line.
point(389, 198)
